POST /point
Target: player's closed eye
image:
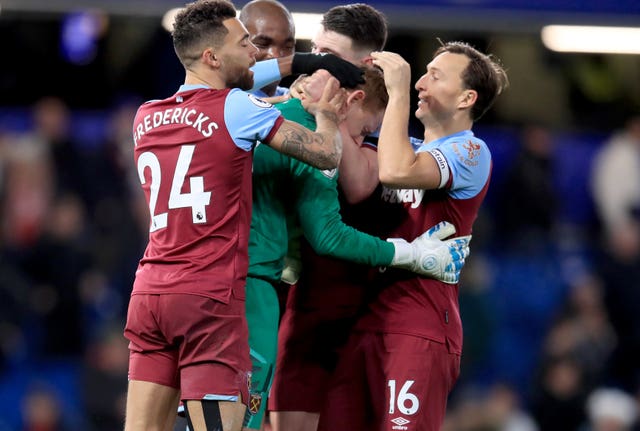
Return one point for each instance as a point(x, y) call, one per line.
point(261, 42)
point(245, 42)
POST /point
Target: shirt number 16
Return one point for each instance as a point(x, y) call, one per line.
point(407, 402)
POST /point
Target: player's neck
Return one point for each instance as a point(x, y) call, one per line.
point(438, 130)
point(194, 78)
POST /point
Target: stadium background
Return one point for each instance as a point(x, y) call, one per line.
point(534, 298)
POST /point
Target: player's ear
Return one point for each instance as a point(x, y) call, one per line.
point(355, 96)
point(344, 109)
point(209, 57)
point(468, 98)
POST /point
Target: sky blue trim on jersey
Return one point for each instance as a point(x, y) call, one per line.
point(280, 91)
point(214, 397)
point(189, 87)
point(248, 119)
point(372, 145)
point(265, 72)
point(469, 159)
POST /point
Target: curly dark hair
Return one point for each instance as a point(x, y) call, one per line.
point(199, 25)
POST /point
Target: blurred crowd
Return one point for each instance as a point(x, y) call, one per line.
point(73, 223)
point(549, 306)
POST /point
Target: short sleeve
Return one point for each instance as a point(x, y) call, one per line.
point(470, 163)
point(248, 118)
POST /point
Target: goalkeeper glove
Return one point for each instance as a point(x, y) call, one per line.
point(428, 255)
point(347, 73)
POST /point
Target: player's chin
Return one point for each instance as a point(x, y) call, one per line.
point(422, 109)
point(249, 80)
point(246, 82)
point(250, 77)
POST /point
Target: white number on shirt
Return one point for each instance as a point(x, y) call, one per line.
point(197, 199)
point(404, 397)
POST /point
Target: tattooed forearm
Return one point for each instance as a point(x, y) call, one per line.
point(320, 149)
point(329, 115)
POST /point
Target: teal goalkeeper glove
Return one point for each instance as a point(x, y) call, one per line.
point(429, 255)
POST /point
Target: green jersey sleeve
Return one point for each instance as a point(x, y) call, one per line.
point(290, 199)
point(318, 208)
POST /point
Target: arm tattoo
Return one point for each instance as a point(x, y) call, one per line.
point(310, 147)
point(330, 115)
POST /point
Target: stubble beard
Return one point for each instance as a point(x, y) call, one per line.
point(243, 80)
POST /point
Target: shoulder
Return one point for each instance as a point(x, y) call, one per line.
point(469, 160)
point(240, 97)
point(465, 148)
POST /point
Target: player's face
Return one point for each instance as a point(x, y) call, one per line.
point(273, 35)
point(361, 122)
point(328, 41)
point(237, 55)
point(440, 89)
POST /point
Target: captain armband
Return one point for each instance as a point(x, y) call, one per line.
point(443, 167)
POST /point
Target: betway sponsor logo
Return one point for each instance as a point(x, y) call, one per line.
point(405, 196)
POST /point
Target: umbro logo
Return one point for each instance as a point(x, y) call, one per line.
point(400, 423)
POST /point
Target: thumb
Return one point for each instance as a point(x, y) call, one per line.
point(330, 89)
point(441, 231)
point(459, 241)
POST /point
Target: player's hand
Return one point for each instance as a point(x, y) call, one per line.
point(397, 72)
point(348, 74)
point(431, 255)
point(434, 261)
point(296, 89)
point(312, 86)
point(331, 101)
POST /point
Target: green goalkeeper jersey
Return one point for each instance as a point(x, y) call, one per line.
point(291, 198)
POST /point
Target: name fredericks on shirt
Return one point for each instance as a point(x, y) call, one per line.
point(188, 116)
